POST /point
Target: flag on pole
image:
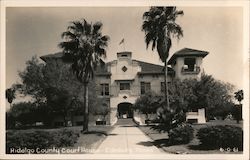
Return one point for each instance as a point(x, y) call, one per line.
point(122, 41)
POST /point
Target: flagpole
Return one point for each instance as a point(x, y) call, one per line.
point(123, 43)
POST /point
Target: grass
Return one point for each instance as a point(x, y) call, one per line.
point(90, 141)
point(161, 139)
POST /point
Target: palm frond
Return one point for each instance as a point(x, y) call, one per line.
point(174, 29)
point(68, 34)
point(97, 27)
point(76, 27)
point(86, 27)
point(85, 46)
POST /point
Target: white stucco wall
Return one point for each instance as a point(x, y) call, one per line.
point(180, 63)
point(199, 116)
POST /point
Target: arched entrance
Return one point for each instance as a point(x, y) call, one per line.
point(124, 110)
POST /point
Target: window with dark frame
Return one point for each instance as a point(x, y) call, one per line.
point(104, 89)
point(124, 86)
point(190, 63)
point(145, 87)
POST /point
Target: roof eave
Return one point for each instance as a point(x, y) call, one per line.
point(204, 54)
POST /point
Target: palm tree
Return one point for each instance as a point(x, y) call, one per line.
point(84, 45)
point(159, 25)
point(239, 96)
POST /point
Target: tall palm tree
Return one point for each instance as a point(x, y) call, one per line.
point(239, 95)
point(85, 46)
point(159, 25)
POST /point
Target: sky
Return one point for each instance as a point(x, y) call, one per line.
point(219, 30)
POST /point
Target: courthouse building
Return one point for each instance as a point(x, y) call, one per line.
point(121, 81)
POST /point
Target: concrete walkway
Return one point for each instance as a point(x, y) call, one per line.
point(127, 139)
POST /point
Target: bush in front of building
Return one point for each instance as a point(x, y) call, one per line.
point(65, 138)
point(215, 137)
point(182, 134)
point(17, 139)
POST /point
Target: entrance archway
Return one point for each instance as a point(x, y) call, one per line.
point(124, 110)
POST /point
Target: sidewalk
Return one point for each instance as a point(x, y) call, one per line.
point(128, 139)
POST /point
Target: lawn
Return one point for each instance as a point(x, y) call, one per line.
point(90, 141)
point(85, 143)
point(161, 139)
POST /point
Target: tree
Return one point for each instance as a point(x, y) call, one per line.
point(213, 95)
point(160, 26)
point(10, 95)
point(147, 103)
point(33, 82)
point(63, 91)
point(180, 98)
point(84, 46)
point(192, 94)
point(100, 108)
point(23, 113)
point(239, 95)
point(53, 87)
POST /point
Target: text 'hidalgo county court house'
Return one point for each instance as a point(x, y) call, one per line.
point(123, 80)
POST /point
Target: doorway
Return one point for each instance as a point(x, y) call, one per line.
point(124, 110)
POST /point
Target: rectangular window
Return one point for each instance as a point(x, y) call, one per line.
point(145, 87)
point(104, 91)
point(189, 64)
point(124, 86)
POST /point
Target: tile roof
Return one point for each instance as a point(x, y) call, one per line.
point(100, 70)
point(146, 68)
point(187, 52)
point(52, 56)
point(149, 68)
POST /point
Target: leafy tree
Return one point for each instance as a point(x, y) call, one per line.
point(192, 94)
point(53, 87)
point(160, 27)
point(84, 46)
point(213, 94)
point(33, 82)
point(100, 108)
point(180, 96)
point(147, 104)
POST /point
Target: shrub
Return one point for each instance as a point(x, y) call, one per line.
point(215, 137)
point(40, 139)
point(182, 134)
point(65, 138)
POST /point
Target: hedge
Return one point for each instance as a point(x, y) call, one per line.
point(215, 137)
point(39, 139)
point(182, 134)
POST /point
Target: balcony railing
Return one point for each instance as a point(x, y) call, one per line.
point(195, 70)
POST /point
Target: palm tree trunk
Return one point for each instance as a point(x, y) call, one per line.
point(166, 84)
point(86, 109)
